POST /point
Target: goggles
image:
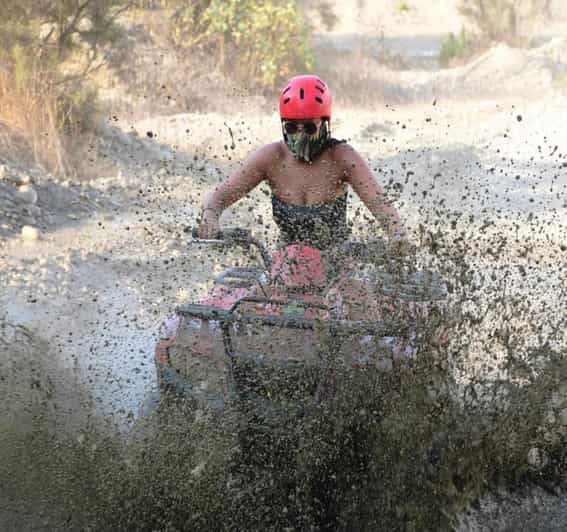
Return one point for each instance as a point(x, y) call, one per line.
point(310, 128)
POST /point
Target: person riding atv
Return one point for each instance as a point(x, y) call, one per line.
point(308, 172)
point(316, 284)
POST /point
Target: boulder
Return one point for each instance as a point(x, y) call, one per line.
point(30, 233)
point(27, 194)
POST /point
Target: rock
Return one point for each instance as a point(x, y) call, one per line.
point(8, 177)
point(27, 194)
point(30, 233)
point(34, 210)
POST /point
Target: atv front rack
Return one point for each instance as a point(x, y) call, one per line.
point(336, 328)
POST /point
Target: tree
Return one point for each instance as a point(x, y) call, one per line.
point(269, 37)
point(44, 98)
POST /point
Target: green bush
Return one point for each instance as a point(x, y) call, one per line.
point(79, 109)
point(269, 38)
point(453, 47)
point(57, 27)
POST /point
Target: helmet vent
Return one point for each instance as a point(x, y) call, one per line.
point(287, 100)
point(302, 94)
point(318, 99)
point(320, 89)
point(287, 89)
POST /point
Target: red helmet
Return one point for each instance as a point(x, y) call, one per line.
point(305, 97)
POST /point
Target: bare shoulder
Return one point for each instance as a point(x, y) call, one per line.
point(263, 158)
point(344, 151)
point(345, 156)
point(267, 154)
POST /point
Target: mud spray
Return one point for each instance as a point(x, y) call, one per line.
point(406, 449)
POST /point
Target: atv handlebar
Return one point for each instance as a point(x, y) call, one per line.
point(375, 251)
point(234, 236)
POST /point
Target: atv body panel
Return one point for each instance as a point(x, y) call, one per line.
point(275, 321)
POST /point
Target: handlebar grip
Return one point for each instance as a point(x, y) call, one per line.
point(195, 234)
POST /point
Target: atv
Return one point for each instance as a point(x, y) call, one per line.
point(286, 314)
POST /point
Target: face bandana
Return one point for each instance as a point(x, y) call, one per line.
point(306, 147)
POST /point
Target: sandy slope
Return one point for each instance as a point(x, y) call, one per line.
point(396, 18)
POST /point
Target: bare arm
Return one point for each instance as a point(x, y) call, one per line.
point(245, 179)
point(363, 182)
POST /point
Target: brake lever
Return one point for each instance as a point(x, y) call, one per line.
point(196, 240)
point(216, 241)
point(223, 239)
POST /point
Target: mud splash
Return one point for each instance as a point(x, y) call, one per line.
point(402, 450)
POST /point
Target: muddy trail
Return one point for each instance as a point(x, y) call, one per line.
point(483, 188)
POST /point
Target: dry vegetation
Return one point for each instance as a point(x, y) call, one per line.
point(52, 50)
point(493, 21)
point(48, 52)
point(509, 21)
point(37, 118)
